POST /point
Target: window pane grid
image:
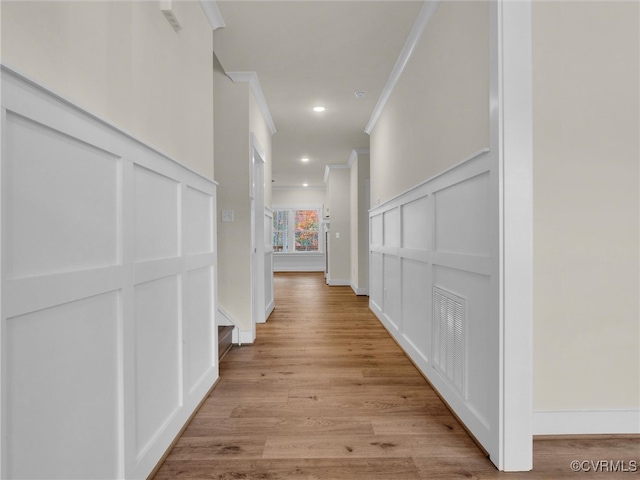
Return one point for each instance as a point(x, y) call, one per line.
point(296, 231)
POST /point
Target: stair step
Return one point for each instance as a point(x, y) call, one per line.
point(224, 340)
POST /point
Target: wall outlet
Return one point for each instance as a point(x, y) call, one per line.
point(227, 215)
point(337, 234)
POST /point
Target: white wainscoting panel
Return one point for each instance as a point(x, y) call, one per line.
point(62, 390)
point(199, 222)
point(416, 306)
point(156, 215)
point(376, 294)
point(436, 238)
point(108, 293)
point(462, 217)
point(157, 366)
point(64, 174)
point(392, 291)
point(197, 327)
point(416, 224)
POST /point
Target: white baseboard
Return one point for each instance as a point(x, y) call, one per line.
point(359, 291)
point(298, 269)
point(242, 337)
point(270, 309)
point(585, 422)
point(338, 282)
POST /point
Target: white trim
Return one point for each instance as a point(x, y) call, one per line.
point(254, 83)
point(339, 282)
point(212, 13)
point(240, 337)
point(270, 308)
point(586, 422)
point(359, 291)
point(336, 166)
point(298, 269)
point(511, 142)
point(354, 155)
point(255, 143)
point(223, 318)
point(419, 27)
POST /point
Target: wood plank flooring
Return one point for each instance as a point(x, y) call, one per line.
point(326, 394)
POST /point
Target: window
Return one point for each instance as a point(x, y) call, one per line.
point(296, 230)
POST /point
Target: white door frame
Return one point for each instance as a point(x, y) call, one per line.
point(511, 146)
point(257, 233)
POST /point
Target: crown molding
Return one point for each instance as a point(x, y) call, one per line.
point(419, 26)
point(336, 166)
point(252, 79)
point(354, 154)
point(213, 14)
point(352, 158)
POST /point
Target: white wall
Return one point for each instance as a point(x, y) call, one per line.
point(298, 196)
point(123, 62)
point(586, 212)
point(232, 156)
point(237, 118)
point(429, 126)
point(339, 249)
point(359, 218)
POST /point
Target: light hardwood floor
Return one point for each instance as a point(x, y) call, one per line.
point(325, 393)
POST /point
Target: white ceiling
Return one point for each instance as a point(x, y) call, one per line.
point(315, 52)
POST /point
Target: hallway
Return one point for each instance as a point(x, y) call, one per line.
point(325, 393)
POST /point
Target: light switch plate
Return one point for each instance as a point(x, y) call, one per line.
point(227, 215)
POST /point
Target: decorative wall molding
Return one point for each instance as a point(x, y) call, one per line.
point(339, 282)
point(586, 422)
point(252, 79)
point(418, 29)
point(213, 14)
point(437, 235)
point(108, 257)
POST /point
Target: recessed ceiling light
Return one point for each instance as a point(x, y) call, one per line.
point(319, 109)
point(305, 159)
point(305, 184)
point(360, 94)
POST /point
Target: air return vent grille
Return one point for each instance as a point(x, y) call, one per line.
point(449, 337)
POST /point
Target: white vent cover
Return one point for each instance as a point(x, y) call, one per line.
point(448, 338)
